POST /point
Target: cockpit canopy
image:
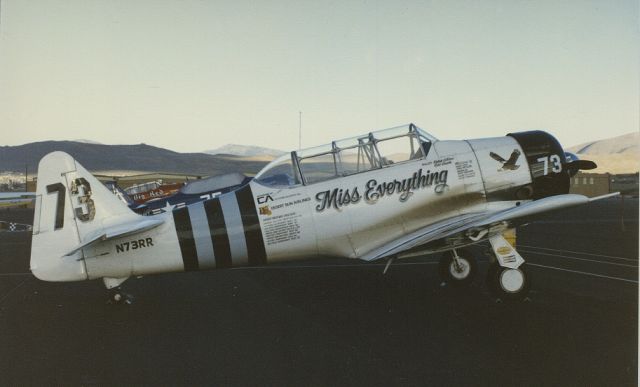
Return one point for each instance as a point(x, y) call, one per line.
point(353, 155)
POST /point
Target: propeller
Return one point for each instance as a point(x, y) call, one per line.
point(573, 164)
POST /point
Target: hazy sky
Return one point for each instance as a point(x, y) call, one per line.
point(195, 75)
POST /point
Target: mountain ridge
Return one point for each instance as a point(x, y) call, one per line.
point(620, 154)
point(626, 143)
point(138, 157)
point(244, 150)
point(614, 155)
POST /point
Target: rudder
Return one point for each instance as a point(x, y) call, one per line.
point(71, 207)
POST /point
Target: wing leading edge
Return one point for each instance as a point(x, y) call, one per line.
point(478, 226)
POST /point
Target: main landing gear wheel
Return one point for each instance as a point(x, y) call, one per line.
point(458, 268)
point(508, 284)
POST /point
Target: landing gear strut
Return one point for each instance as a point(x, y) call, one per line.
point(458, 267)
point(506, 278)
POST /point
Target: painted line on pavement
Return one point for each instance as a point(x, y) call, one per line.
point(577, 252)
point(582, 272)
point(575, 258)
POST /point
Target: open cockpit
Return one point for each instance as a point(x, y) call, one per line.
point(346, 157)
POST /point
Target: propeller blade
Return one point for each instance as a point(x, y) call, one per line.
point(576, 165)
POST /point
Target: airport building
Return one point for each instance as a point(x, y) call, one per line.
point(591, 184)
point(595, 184)
point(625, 183)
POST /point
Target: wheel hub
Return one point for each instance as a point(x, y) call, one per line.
point(459, 268)
point(512, 280)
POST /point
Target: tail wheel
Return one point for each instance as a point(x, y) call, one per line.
point(508, 284)
point(118, 297)
point(458, 270)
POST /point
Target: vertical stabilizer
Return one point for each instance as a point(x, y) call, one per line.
point(71, 206)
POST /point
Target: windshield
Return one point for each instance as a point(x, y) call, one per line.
point(347, 157)
point(278, 173)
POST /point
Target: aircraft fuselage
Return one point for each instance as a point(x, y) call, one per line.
point(343, 217)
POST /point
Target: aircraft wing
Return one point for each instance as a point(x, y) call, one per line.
point(475, 226)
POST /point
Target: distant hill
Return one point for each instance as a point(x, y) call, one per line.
point(245, 150)
point(615, 155)
point(619, 154)
point(140, 157)
point(627, 143)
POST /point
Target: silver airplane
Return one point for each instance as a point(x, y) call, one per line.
point(385, 195)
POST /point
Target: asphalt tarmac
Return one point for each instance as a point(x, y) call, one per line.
point(327, 323)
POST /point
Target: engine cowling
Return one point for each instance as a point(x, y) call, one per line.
point(549, 165)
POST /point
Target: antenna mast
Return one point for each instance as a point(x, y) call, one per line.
point(300, 131)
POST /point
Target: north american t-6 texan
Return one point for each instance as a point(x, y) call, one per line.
point(384, 195)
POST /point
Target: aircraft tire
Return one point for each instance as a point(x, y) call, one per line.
point(508, 284)
point(460, 277)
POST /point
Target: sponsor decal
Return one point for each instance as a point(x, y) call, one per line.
point(282, 228)
point(262, 199)
point(509, 258)
point(290, 203)
point(374, 190)
point(264, 210)
point(503, 250)
point(443, 162)
point(465, 169)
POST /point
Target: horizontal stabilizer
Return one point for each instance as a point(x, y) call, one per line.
point(118, 231)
